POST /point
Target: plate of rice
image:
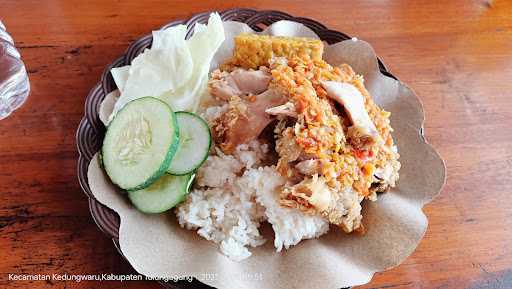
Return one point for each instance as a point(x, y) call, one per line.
point(237, 150)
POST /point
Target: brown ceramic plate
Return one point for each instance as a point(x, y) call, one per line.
point(90, 132)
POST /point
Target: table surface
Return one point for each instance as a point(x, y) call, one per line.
point(456, 55)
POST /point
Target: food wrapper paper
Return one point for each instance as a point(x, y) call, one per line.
point(156, 246)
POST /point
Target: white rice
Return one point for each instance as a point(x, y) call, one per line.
point(290, 225)
point(213, 112)
point(234, 194)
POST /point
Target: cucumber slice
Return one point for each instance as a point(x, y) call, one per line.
point(140, 143)
point(194, 145)
point(162, 195)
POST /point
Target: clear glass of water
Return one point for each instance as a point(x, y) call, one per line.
point(14, 84)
